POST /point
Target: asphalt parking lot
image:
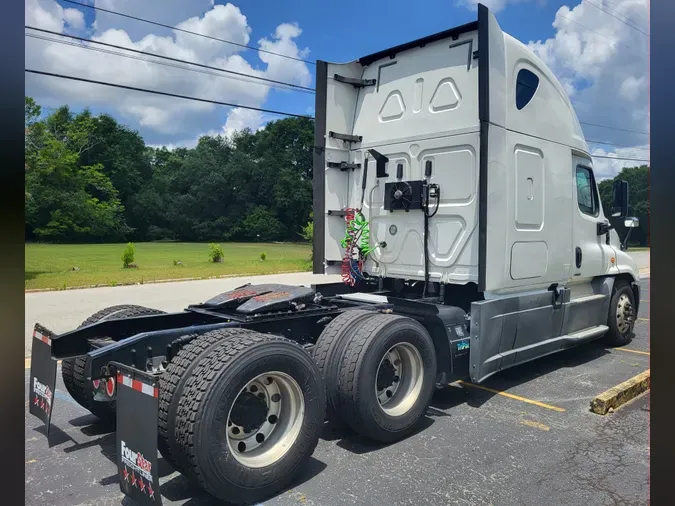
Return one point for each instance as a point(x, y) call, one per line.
point(525, 437)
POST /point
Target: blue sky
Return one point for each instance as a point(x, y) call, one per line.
point(349, 29)
point(601, 61)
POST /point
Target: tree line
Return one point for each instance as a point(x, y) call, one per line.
point(91, 179)
point(638, 202)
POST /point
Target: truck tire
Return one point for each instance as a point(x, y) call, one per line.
point(328, 350)
point(72, 369)
point(621, 318)
point(387, 377)
point(250, 416)
point(171, 384)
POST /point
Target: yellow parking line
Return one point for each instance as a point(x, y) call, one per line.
point(536, 425)
point(633, 351)
point(643, 319)
point(643, 300)
point(511, 396)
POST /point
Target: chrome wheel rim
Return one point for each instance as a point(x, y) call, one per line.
point(399, 379)
point(265, 419)
point(624, 314)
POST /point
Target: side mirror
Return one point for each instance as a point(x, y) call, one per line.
point(620, 199)
point(631, 223)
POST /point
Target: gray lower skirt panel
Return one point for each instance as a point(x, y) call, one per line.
point(514, 330)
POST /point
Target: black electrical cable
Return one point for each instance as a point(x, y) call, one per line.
point(169, 58)
point(166, 94)
point(149, 21)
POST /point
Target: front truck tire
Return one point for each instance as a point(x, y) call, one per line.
point(387, 377)
point(72, 369)
point(250, 416)
point(622, 316)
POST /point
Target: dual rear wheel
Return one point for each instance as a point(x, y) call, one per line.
point(380, 372)
point(241, 412)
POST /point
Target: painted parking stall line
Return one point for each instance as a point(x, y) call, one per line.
point(512, 396)
point(639, 352)
point(137, 411)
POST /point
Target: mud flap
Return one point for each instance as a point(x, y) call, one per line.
point(42, 376)
point(137, 411)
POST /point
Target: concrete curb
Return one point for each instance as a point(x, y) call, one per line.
point(621, 394)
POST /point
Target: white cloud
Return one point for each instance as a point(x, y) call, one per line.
point(45, 14)
point(604, 66)
point(607, 168)
point(74, 18)
point(223, 22)
point(172, 117)
point(239, 119)
point(284, 69)
point(632, 87)
point(168, 12)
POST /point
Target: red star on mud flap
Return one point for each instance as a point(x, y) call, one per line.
point(133, 479)
point(142, 485)
point(42, 405)
point(37, 400)
point(125, 474)
point(151, 493)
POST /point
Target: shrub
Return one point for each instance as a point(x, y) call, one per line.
point(216, 253)
point(308, 232)
point(263, 256)
point(128, 255)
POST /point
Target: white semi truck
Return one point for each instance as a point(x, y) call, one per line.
point(455, 193)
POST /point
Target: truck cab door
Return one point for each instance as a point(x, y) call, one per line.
point(592, 252)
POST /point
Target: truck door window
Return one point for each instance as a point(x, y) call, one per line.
point(586, 194)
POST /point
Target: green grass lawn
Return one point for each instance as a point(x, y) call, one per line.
point(50, 265)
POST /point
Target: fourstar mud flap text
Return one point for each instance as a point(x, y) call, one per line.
point(42, 377)
point(137, 411)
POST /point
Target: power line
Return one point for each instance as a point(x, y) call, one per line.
point(155, 55)
point(610, 14)
point(614, 128)
point(601, 35)
point(616, 4)
point(620, 158)
point(139, 58)
point(101, 9)
point(615, 145)
point(166, 94)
